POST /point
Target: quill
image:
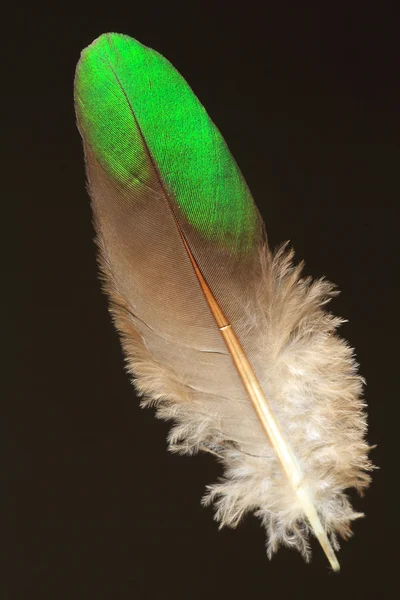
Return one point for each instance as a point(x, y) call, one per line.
point(223, 336)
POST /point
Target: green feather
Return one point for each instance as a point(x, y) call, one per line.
point(138, 114)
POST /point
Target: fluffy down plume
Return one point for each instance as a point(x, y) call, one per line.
point(159, 177)
point(315, 391)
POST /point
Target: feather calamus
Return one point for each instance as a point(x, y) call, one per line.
point(226, 338)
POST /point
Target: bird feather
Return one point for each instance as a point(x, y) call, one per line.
point(205, 309)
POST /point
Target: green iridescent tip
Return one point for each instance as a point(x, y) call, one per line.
point(128, 98)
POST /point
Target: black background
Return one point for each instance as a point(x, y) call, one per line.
point(307, 101)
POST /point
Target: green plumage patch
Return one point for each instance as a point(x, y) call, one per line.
point(129, 97)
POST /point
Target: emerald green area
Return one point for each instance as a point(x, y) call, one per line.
point(125, 93)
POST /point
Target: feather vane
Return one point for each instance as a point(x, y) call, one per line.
point(225, 337)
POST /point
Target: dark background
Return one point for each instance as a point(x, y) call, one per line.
point(95, 507)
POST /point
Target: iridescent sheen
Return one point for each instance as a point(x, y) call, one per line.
point(129, 97)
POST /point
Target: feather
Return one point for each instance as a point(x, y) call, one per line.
point(226, 338)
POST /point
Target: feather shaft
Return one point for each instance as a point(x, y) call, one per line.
point(278, 442)
point(264, 412)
